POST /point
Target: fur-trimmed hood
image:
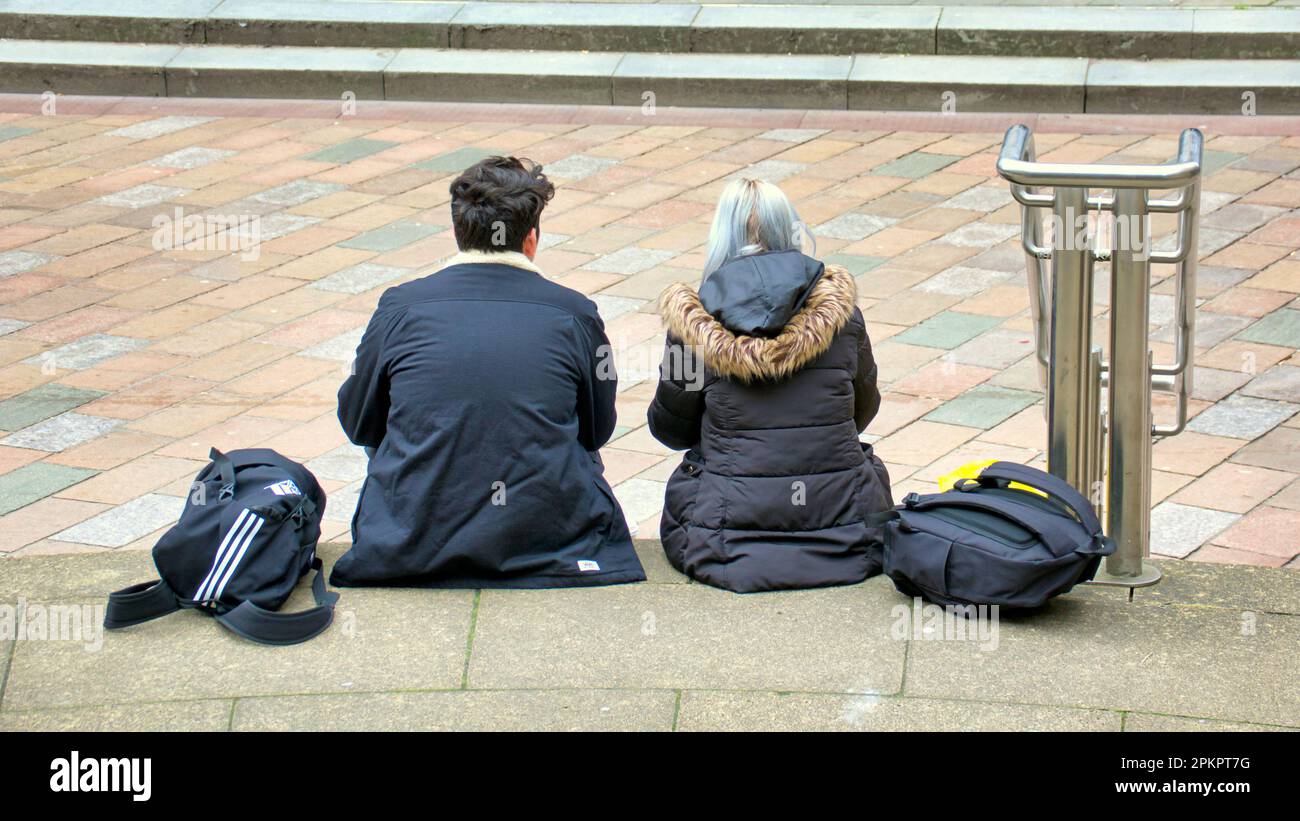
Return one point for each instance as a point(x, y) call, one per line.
point(824, 311)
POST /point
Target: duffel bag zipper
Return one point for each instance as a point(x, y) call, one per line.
point(964, 525)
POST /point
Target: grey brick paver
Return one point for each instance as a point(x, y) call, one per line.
point(87, 352)
point(33, 482)
point(1242, 417)
point(125, 523)
point(1177, 530)
point(579, 166)
point(16, 262)
point(359, 278)
point(946, 330)
point(41, 403)
point(60, 432)
point(296, 192)
point(142, 196)
point(630, 260)
point(148, 129)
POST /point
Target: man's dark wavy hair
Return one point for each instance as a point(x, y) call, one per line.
point(496, 202)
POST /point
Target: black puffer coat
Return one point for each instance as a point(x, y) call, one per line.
point(775, 487)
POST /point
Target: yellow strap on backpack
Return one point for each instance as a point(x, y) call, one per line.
point(972, 470)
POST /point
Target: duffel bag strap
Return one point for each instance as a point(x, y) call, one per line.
point(269, 627)
point(140, 603)
point(227, 470)
point(1053, 486)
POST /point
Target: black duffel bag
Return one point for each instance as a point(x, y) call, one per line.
point(246, 537)
point(985, 543)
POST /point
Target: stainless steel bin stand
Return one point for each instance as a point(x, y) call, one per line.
point(1107, 455)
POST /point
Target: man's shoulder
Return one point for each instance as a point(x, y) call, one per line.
point(458, 282)
point(565, 297)
point(406, 293)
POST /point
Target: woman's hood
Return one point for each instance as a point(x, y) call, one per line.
point(757, 294)
point(763, 316)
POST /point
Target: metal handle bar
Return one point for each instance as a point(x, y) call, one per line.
point(1100, 202)
point(1018, 164)
point(1016, 167)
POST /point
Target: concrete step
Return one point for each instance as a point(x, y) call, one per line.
point(862, 81)
point(838, 29)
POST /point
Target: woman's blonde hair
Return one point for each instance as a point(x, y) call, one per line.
point(752, 216)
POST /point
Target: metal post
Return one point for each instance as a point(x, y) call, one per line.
point(1094, 447)
point(1081, 447)
point(1070, 335)
point(1128, 488)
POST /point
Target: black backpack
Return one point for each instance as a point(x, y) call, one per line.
point(986, 543)
point(246, 537)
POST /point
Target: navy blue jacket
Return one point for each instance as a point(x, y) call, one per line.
point(485, 390)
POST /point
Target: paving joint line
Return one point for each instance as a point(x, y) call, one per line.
point(9, 660)
point(469, 642)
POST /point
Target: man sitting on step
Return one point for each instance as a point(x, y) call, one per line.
point(485, 391)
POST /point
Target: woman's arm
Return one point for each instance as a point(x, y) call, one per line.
point(866, 395)
point(678, 406)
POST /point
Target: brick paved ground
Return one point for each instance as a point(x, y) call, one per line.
point(121, 363)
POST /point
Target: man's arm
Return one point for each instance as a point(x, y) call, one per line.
point(363, 398)
point(598, 386)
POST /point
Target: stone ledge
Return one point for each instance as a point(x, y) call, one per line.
point(1104, 33)
point(864, 81)
point(1178, 656)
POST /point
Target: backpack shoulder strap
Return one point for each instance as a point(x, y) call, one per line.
point(269, 627)
point(140, 603)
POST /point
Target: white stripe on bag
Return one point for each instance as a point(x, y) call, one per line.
point(221, 553)
point(243, 548)
point(236, 536)
point(241, 526)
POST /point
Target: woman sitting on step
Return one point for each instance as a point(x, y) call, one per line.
point(767, 381)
